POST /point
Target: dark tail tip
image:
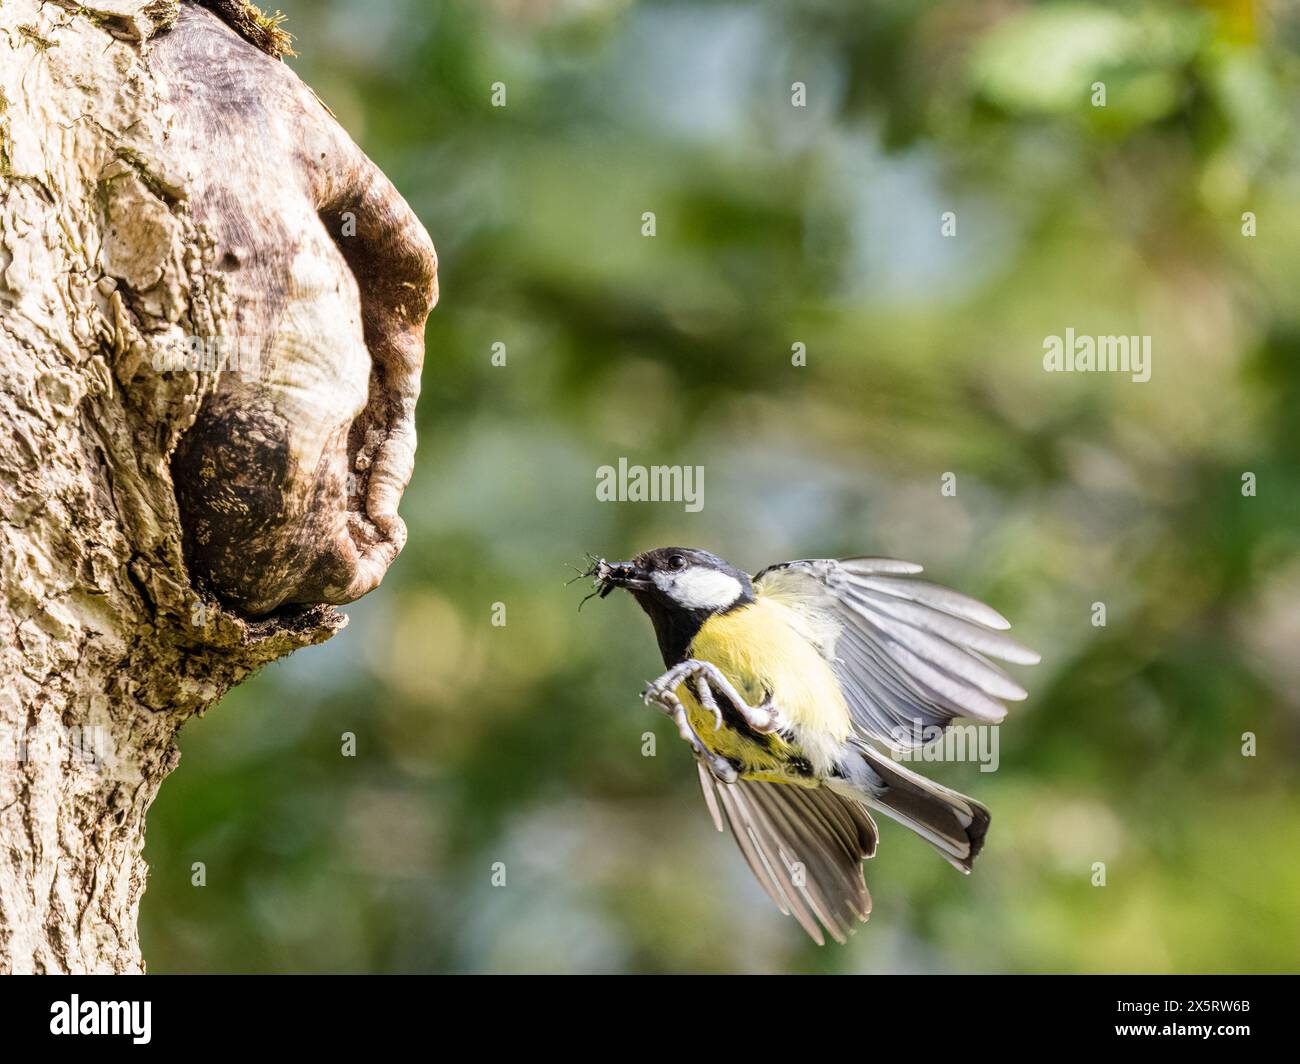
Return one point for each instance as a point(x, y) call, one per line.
point(979, 827)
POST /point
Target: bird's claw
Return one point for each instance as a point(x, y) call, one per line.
point(661, 694)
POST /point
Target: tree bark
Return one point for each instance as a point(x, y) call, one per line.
point(211, 329)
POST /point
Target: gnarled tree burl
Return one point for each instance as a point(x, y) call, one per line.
point(212, 308)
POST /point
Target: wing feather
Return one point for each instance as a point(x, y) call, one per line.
point(953, 629)
point(780, 827)
point(951, 657)
point(904, 650)
point(936, 597)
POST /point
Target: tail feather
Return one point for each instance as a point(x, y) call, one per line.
point(952, 823)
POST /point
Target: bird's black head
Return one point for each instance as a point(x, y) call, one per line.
point(679, 588)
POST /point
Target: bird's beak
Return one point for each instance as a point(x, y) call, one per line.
point(629, 575)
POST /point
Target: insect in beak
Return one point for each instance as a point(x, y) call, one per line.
point(611, 575)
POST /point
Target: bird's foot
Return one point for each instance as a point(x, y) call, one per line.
point(662, 696)
point(709, 681)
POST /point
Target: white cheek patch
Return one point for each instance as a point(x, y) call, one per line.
point(699, 589)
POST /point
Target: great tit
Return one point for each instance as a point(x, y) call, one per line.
point(783, 683)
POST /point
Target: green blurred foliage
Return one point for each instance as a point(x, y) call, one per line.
point(821, 225)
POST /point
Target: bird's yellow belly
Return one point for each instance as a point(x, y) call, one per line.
point(768, 757)
point(761, 649)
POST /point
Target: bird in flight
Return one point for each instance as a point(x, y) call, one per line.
point(785, 685)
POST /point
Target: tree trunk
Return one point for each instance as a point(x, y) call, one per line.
point(211, 329)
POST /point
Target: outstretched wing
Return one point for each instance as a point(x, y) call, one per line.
point(904, 650)
point(805, 845)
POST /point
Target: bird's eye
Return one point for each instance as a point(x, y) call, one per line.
point(676, 563)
